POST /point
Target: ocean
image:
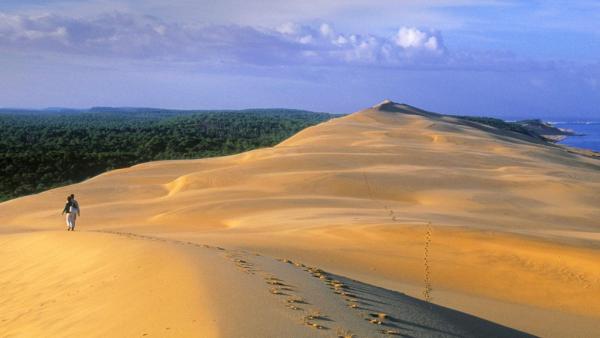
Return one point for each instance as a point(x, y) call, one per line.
point(591, 134)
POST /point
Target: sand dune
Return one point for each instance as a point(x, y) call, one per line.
point(55, 285)
point(513, 226)
point(122, 284)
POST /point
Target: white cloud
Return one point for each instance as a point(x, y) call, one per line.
point(410, 37)
point(347, 13)
point(145, 37)
point(18, 28)
point(326, 30)
point(288, 28)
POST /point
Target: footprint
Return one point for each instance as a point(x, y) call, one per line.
point(315, 315)
point(316, 326)
point(296, 300)
point(390, 332)
point(277, 291)
point(341, 333)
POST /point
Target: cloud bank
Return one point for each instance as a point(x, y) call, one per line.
point(63, 52)
point(146, 37)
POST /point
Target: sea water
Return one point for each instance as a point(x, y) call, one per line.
point(590, 138)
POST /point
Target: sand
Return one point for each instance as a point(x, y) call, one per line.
point(80, 285)
point(511, 225)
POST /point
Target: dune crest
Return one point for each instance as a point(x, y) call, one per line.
point(356, 196)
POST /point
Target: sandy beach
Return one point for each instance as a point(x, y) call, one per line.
point(344, 228)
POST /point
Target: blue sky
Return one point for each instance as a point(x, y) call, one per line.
point(503, 58)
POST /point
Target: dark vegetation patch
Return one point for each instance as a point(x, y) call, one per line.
point(501, 124)
point(535, 128)
point(40, 150)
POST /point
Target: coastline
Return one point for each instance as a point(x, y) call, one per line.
point(586, 135)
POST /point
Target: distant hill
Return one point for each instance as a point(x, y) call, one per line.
point(534, 128)
point(546, 130)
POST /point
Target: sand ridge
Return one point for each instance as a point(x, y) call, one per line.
point(125, 284)
point(355, 196)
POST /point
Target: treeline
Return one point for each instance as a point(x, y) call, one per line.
point(501, 124)
point(40, 150)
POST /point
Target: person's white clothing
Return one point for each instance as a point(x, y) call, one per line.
point(68, 219)
point(72, 216)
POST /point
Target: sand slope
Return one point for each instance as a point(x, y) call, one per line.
point(122, 284)
point(512, 223)
point(56, 285)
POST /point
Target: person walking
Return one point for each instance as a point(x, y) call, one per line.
point(74, 211)
point(67, 211)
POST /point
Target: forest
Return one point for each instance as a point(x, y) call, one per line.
point(40, 150)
